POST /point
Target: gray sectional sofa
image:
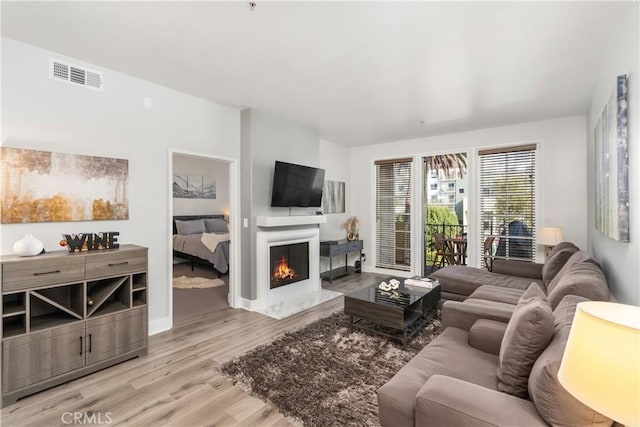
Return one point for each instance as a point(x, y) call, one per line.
point(458, 282)
point(579, 275)
point(510, 324)
point(454, 381)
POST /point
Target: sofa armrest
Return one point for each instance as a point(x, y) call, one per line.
point(486, 335)
point(463, 315)
point(448, 401)
point(510, 267)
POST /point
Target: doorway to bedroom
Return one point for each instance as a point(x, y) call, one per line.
point(200, 223)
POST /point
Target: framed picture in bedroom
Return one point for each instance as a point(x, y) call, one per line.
point(188, 186)
point(42, 186)
point(612, 165)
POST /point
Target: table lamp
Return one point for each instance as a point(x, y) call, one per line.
point(549, 237)
point(601, 362)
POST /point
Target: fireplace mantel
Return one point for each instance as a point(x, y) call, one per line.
point(287, 221)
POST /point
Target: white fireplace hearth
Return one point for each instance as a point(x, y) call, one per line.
point(292, 298)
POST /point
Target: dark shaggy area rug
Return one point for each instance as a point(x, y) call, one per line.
point(324, 374)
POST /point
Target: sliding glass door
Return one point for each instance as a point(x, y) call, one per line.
point(445, 203)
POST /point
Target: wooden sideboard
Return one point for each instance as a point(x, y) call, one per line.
point(65, 315)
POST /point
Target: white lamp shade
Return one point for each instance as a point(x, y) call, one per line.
point(550, 236)
point(601, 363)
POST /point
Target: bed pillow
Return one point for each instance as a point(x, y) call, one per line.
point(195, 226)
point(216, 225)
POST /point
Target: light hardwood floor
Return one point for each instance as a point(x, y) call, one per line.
point(177, 383)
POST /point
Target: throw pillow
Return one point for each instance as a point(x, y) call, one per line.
point(528, 332)
point(215, 225)
point(554, 264)
point(195, 226)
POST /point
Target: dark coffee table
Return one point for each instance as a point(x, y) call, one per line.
point(396, 314)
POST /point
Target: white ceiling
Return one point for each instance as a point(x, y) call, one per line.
point(359, 72)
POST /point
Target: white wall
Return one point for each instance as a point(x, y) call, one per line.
point(336, 161)
point(205, 167)
point(620, 261)
point(562, 179)
point(43, 114)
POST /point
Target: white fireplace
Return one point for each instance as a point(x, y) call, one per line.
point(279, 301)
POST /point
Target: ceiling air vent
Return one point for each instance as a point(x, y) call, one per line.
point(75, 74)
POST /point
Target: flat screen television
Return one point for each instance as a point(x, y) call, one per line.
point(296, 186)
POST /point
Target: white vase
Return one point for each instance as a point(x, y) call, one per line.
point(28, 246)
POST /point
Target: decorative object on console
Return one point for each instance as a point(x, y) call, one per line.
point(549, 237)
point(83, 242)
point(612, 165)
point(351, 226)
point(333, 197)
point(41, 186)
point(392, 285)
point(28, 246)
point(600, 364)
point(187, 186)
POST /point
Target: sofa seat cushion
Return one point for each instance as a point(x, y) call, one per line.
point(446, 401)
point(449, 354)
point(528, 332)
point(556, 405)
point(498, 294)
point(462, 280)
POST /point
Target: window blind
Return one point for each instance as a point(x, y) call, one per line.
point(393, 214)
point(507, 203)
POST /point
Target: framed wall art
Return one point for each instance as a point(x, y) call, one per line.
point(333, 197)
point(612, 165)
point(187, 186)
point(42, 186)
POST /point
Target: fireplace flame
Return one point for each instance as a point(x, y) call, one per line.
point(283, 271)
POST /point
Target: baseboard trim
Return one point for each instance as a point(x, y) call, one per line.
point(159, 325)
point(248, 304)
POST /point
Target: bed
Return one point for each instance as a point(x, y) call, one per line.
point(202, 239)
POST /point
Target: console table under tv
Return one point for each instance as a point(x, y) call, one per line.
point(340, 247)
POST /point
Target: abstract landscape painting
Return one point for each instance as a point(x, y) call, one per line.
point(186, 186)
point(612, 165)
point(41, 186)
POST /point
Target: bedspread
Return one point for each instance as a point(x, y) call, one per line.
point(192, 244)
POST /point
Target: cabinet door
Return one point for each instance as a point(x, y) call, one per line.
point(115, 334)
point(41, 355)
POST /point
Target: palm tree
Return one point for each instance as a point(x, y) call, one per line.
point(448, 162)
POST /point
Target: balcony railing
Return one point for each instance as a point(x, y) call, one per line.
point(448, 230)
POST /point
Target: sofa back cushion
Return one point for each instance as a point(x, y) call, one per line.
point(582, 279)
point(528, 333)
point(556, 405)
point(556, 260)
point(576, 257)
point(562, 246)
